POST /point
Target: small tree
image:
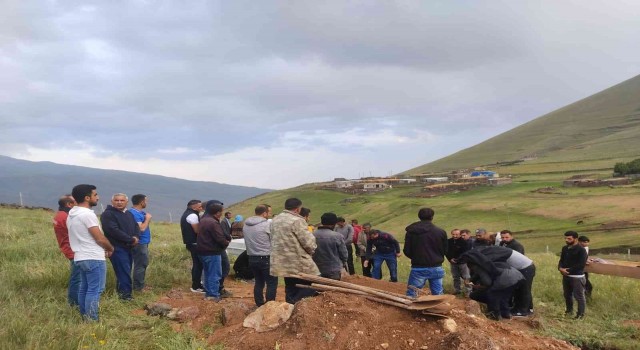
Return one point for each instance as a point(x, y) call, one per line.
point(621, 168)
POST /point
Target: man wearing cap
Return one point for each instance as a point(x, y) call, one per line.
point(189, 226)
point(292, 248)
point(331, 254)
point(426, 245)
point(387, 250)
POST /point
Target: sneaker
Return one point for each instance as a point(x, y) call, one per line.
point(225, 294)
point(521, 314)
point(214, 299)
point(579, 316)
point(197, 290)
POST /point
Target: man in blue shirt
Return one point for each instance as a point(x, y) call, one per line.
point(140, 251)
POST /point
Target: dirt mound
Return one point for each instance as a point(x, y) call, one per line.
point(617, 225)
point(339, 321)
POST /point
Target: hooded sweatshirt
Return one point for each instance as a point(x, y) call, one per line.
point(425, 244)
point(256, 236)
point(82, 243)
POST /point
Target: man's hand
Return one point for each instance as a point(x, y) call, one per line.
point(398, 255)
point(147, 217)
point(564, 271)
point(108, 253)
point(366, 263)
point(453, 261)
point(135, 241)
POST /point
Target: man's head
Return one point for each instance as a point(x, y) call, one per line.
point(373, 234)
point(211, 202)
point(66, 201)
point(262, 210)
point(482, 235)
point(426, 214)
point(341, 222)
point(119, 201)
point(214, 209)
point(455, 233)
point(139, 200)
point(305, 213)
point(329, 220)
point(228, 215)
point(571, 237)
point(269, 210)
point(354, 222)
point(85, 195)
point(465, 234)
point(506, 236)
point(366, 227)
point(195, 204)
point(583, 241)
point(293, 204)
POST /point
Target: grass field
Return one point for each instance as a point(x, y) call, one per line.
point(34, 313)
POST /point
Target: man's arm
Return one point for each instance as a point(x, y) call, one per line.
point(581, 263)
point(111, 228)
point(147, 220)
point(101, 240)
point(342, 250)
point(518, 247)
point(305, 238)
point(219, 235)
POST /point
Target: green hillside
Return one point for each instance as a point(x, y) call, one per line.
point(601, 126)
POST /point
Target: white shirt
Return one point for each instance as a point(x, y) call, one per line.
point(82, 243)
point(193, 219)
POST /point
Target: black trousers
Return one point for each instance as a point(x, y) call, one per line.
point(350, 266)
point(366, 271)
point(293, 294)
point(196, 267)
point(522, 298)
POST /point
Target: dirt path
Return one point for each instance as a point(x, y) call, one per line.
point(340, 321)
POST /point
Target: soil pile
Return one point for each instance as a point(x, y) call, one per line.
point(335, 320)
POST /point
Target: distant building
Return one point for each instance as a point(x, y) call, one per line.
point(343, 183)
point(499, 181)
point(485, 173)
point(435, 180)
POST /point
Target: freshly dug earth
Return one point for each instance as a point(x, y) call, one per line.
point(342, 321)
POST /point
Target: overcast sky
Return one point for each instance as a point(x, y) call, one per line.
point(277, 94)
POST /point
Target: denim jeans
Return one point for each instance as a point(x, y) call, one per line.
point(140, 263)
point(392, 264)
point(260, 265)
point(93, 276)
point(212, 268)
point(122, 262)
point(419, 276)
point(226, 267)
point(74, 284)
point(196, 267)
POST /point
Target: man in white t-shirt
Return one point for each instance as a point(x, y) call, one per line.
point(189, 225)
point(90, 248)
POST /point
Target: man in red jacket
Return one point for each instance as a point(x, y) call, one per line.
point(65, 203)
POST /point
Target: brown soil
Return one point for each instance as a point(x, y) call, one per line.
point(341, 321)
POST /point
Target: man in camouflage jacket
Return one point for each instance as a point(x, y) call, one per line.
point(292, 247)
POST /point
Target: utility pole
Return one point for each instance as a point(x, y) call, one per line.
point(21, 204)
point(170, 218)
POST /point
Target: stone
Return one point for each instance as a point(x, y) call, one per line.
point(234, 312)
point(410, 342)
point(384, 345)
point(184, 314)
point(472, 307)
point(174, 294)
point(449, 325)
point(158, 309)
point(269, 316)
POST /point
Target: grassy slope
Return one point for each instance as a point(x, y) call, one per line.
point(34, 314)
point(590, 129)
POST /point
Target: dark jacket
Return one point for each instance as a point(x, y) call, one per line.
point(119, 227)
point(515, 245)
point(455, 248)
point(574, 258)
point(188, 234)
point(425, 244)
point(385, 244)
point(331, 253)
point(211, 239)
point(490, 275)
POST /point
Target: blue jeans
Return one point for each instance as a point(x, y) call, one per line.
point(74, 284)
point(392, 264)
point(419, 276)
point(212, 268)
point(140, 263)
point(260, 265)
point(122, 262)
point(93, 275)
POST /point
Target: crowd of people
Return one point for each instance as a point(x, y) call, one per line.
point(489, 268)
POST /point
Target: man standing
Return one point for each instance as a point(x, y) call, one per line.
point(292, 247)
point(456, 246)
point(90, 247)
point(189, 223)
point(140, 251)
point(508, 241)
point(122, 231)
point(573, 259)
point(226, 223)
point(466, 235)
point(211, 243)
point(65, 203)
point(387, 250)
point(425, 244)
point(362, 248)
point(331, 254)
point(346, 231)
point(588, 287)
point(258, 242)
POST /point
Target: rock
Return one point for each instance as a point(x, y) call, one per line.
point(360, 332)
point(269, 316)
point(184, 314)
point(158, 309)
point(449, 325)
point(384, 345)
point(234, 312)
point(174, 294)
point(472, 307)
point(410, 342)
point(424, 347)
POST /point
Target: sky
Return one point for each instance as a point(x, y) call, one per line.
point(275, 94)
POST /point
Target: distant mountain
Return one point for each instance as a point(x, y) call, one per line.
point(602, 126)
point(42, 183)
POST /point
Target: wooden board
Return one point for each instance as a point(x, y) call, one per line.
point(615, 268)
